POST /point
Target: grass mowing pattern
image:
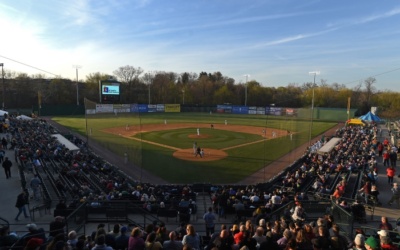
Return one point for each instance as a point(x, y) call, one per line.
point(218, 139)
point(240, 163)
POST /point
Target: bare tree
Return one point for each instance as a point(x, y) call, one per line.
point(369, 89)
point(128, 75)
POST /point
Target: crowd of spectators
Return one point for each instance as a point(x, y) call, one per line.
point(357, 151)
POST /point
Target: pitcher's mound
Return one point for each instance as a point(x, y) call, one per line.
point(194, 136)
point(209, 154)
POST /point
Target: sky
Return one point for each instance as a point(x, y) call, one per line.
point(274, 42)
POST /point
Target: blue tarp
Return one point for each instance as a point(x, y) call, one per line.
point(370, 117)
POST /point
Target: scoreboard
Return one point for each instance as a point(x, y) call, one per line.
point(109, 91)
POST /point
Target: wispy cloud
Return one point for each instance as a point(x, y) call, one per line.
point(393, 12)
point(365, 19)
point(291, 39)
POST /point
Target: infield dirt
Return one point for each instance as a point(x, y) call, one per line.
point(187, 154)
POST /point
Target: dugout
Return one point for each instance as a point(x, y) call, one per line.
point(69, 145)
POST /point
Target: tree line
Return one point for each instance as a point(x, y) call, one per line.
point(23, 91)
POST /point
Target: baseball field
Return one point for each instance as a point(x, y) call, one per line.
point(234, 146)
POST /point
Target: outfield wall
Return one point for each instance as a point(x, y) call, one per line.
point(328, 114)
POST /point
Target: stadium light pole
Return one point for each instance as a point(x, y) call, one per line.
point(245, 90)
point(149, 78)
point(314, 73)
point(77, 86)
point(4, 86)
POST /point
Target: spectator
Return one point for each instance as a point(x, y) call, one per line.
point(301, 239)
point(385, 241)
point(298, 214)
point(372, 243)
point(390, 172)
point(22, 200)
point(7, 164)
point(282, 242)
point(239, 235)
point(385, 224)
point(339, 242)
point(259, 235)
point(57, 226)
point(151, 243)
point(6, 239)
point(366, 190)
point(34, 232)
point(72, 239)
point(101, 243)
point(172, 243)
point(191, 239)
point(209, 219)
point(322, 241)
point(34, 244)
point(122, 241)
point(247, 241)
point(395, 195)
point(359, 242)
point(35, 185)
point(393, 156)
point(136, 241)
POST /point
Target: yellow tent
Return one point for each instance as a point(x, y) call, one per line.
point(355, 122)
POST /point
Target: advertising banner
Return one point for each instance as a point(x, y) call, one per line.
point(151, 108)
point(160, 108)
point(224, 108)
point(104, 108)
point(134, 108)
point(273, 110)
point(143, 108)
point(172, 108)
point(260, 110)
point(290, 112)
point(240, 110)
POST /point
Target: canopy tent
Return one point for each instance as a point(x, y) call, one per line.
point(2, 112)
point(355, 122)
point(64, 141)
point(327, 148)
point(370, 117)
point(23, 117)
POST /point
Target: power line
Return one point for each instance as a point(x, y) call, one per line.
point(25, 64)
point(379, 74)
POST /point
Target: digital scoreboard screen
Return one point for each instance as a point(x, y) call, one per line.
point(110, 89)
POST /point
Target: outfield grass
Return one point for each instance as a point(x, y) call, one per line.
point(240, 163)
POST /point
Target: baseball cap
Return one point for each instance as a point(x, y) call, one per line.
point(383, 233)
point(32, 226)
point(359, 240)
point(124, 229)
point(372, 242)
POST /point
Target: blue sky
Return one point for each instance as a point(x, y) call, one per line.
point(276, 42)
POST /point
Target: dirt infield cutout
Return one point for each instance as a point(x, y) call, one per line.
point(210, 154)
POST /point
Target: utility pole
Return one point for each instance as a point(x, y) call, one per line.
point(245, 91)
point(77, 85)
point(315, 73)
point(4, 86)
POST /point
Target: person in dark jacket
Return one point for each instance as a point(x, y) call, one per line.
point(7, 164)
point(22, 200)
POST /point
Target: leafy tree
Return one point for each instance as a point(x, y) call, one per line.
point(90, 87)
